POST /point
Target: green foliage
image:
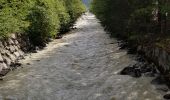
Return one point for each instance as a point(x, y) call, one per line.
point(40, 19)
point(75, 9)
point(113, 14)
point(12, 16)
point(133, 18)
point(44, 21)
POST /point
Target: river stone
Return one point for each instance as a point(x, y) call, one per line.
point(4, 72)
point(134, 72)
point(167, 96)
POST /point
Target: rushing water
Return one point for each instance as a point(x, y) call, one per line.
point(81, 66)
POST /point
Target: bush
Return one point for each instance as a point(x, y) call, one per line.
point(133, 16)
point(44, 22)
point(113, 15)
point(40, 19)
point(12, 16)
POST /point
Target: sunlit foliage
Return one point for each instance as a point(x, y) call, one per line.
point(40, 19)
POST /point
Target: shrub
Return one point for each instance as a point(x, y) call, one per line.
point(12, 16)
point(44, 22)
point(40, 19)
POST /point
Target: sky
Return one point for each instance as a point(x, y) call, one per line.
point(86, 2)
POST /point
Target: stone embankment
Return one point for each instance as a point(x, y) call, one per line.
point(157, 55)
point(11, 50)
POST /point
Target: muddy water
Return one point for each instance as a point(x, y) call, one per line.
point(81, 66)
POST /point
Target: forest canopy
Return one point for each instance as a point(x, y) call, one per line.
point(132, 17)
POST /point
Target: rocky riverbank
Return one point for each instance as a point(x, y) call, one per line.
point(13, 49)
point(152, 61)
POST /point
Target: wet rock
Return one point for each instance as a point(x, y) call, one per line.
point(4, 72)
point(139, 69)
point(166, 96)
point(38, 60)
point(134, 72)
point(131, 50)
point(158, 80)
point(58, 36)
point(28, 63)
point(15, 64)
point(123, 46)
point(163, 88)
point(149, 74)
point(140, 59)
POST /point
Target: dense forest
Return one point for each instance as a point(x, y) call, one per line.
point(135, 20)
point(39, 19)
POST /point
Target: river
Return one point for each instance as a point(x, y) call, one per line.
point(83, 65)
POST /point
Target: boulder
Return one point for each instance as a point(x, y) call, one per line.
point(166, 96)
point(134, 72)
